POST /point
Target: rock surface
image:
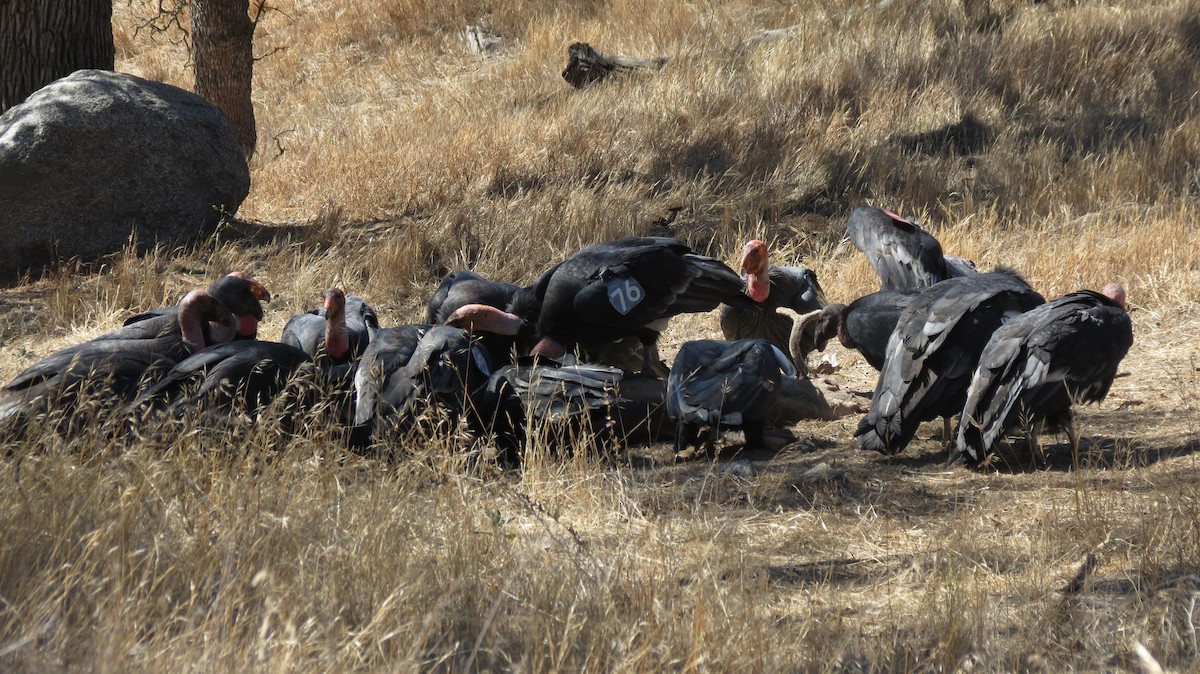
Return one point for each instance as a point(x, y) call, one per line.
point(96, 156)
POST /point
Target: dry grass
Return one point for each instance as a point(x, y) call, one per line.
point(1057, 137)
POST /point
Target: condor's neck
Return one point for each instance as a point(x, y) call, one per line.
point(191, 328)
point(758, 285)
point(337, 337)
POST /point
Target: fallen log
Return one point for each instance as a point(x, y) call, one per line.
point(586, 64)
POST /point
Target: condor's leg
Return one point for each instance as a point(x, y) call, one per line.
point(1067, 420)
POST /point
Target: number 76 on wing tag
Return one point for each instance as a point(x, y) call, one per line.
point(625, 294)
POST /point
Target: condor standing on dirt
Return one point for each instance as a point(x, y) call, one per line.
point(718, 384)
point(1039, 363)
point(865, 324)
point(933, 351)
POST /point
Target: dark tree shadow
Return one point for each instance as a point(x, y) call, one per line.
point(965, 137)
point(1095, 453)
point(1096, 132)
point(844, 571)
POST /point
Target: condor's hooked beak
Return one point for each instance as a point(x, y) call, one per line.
point(257, 289)
point(260, 291)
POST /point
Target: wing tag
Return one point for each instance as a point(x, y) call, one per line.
point(624, 294)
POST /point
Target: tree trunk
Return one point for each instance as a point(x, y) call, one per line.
point(222, 33)
point(43, 40)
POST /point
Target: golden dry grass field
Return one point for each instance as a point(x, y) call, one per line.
point(1059, 137)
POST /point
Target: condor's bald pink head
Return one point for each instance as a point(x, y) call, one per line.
point(204, 320)
point(754, 266)
point(337, 337)
point(333, 301)
point(1115, 292)
point(484, 318)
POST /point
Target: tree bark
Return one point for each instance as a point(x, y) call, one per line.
point(222, 35)
point(43, 40)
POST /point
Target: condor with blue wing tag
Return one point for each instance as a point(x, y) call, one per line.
point(624, 294)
